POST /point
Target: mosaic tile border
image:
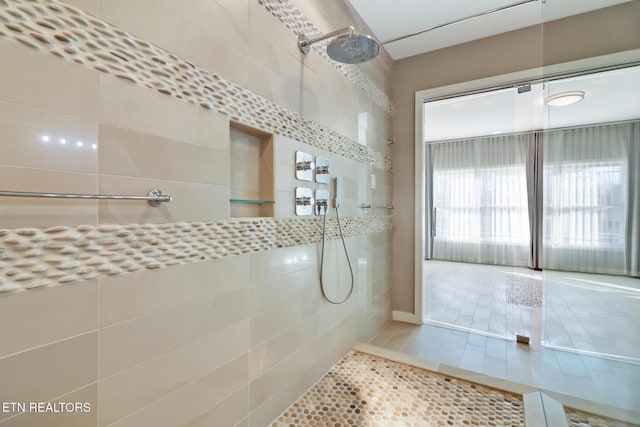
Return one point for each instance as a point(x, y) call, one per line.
point(294, 20)
point(368, 391)
point(33, 258)
point(72, 35)
point(577, 418)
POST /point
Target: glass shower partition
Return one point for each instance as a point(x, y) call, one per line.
point(591, 238)
point(476, 276)
point(591, 322)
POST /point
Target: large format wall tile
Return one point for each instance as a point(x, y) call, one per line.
point(192, 201)
point(36, 138)
point(129, 106)
point(86, 417)
point(133, 388)
point(128, 296)
point(33, 319)
point(18, 212)
point(228, 412)
point(47, 372)
point(126, 344)
point(43, 81)
point(194, 399)
point(127, 153)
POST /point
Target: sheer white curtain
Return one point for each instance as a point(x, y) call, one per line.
point(479, 200)
point(589, 191)
point(632, 265)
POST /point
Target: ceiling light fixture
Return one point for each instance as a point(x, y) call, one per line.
point(563, 99)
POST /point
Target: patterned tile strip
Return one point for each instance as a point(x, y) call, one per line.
point(299, 24)
point(70, 34)
point(367, 391)
point(576, 418)
point(33, 258)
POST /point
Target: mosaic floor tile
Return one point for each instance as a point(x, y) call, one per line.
point(523, 291)
point(364, 390)
point(576, 418)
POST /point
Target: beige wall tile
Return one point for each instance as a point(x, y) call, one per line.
point(283, 397)
point(133, 388)
point(281, 78)
point(228, 30)
point(37, 317)
point(44, 373)
point(285, 204)
point(128, 343)
point(191, 201)
point(123, 152)
point(160, 26)
point(226, 413)
point(268, 354)
point(265, 25)
point(125, 105)
point(238, 9)
point(285, 179)
point(87, 6)
point(285, 148)
point(40, 139)
point(277, 377)
point(192, 400)
point(270, 323)
point(279, 290)
point(43, 81)
point(172, 29)
point(18, 212)
point(128, 296)
point(272, 264)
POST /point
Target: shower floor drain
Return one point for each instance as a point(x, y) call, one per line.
point(365, 390)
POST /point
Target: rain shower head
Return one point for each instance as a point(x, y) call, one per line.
point(348, 46)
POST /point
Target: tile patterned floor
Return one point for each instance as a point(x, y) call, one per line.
point(593, 379)
point(576, 418)
point(592, 313)
point(364, 390)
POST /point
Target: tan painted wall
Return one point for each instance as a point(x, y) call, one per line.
point(600, 32)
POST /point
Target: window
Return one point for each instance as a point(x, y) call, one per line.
point(585, 205)
point(484, 205)
point(483, 194)
point(479, 198)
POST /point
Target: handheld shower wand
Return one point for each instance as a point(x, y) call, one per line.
point(337, 201)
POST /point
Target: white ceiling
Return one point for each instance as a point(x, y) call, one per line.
point(394, 18)
point(609, 97)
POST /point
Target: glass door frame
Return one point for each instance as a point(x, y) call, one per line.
point(422, 228)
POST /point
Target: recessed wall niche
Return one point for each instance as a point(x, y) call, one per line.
point(251, 172)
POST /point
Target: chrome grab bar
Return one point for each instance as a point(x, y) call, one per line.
point(368, 206)
point(154, 197)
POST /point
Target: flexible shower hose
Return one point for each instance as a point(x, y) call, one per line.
point(344, 245)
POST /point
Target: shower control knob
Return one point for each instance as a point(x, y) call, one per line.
point(304, 166)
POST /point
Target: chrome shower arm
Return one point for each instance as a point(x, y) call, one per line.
point(304, 42)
